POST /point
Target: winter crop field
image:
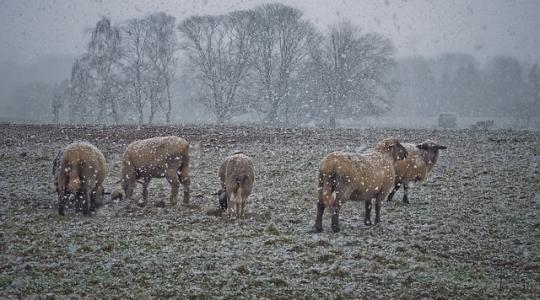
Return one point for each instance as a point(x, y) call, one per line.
point(471, 231)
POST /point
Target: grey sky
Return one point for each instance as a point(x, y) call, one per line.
point(32, 28)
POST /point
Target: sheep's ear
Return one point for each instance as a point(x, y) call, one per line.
point(441, 147)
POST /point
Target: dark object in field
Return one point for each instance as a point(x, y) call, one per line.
point(483, 125)
point(416, 167)
point(237, 176)
point(80, 169)
point(155, 158)
point(357, 177)
point(448, 120)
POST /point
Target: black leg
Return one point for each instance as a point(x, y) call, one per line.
point(318, 220)
point(367, 217)
point(377, 211)
point(62, 203)
point(391, 195)
point(335, 219)
point(405, 194)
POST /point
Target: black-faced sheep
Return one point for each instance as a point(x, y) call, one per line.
point(358, 177)
point(80, 169)
point(156, 158)
point(416, 167)
point(237, 176)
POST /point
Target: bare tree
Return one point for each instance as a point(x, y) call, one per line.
point(80, 88)
point(104, 53)
point(280, 47)
point(136, 64)
point(219, 49)
point(351, 70)
point(162, 48)
point(59, 94)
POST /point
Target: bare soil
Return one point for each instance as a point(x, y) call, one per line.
point(471, 231)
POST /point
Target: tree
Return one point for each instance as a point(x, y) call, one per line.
point(280, 47)
point(136, 64)
point(219, 49)
point(352, 69)
point(80, 87)
point(59, 94)
point(104, 53)
point(162, 47)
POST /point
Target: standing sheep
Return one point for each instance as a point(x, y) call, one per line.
point(237, 177)
point(416, 167)
point(80, 169)
point(156, 158)
point(358, 177)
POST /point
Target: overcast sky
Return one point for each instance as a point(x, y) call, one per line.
point(33, 28)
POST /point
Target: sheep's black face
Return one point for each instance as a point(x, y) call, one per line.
point(222, 200)
point(399, 151)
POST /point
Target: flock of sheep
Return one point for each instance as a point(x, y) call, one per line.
point(80, 169)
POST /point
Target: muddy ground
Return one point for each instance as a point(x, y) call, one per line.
point(471, 231)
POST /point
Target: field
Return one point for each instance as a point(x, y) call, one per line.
point(471, 231)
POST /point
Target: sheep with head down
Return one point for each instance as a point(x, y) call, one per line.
point(416, 167)
point(80, 169)
point(357, 177)
point(237, 176)
point(156, 157)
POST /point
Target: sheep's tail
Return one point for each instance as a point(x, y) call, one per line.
point(327, 188)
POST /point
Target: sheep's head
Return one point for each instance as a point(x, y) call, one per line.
point(430, 145)
point(222, 200)
point(393, 147)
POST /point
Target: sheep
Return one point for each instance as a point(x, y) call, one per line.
point(358, 177)
point(237, 176)
point(156, 157)
point(416, 167)
point(79, 169)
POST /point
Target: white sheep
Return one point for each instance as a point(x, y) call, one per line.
point(237, 176)
point(416, 167)
point(358, 177)
point(157, 157)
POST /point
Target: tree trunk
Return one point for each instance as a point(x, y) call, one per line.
point(169, 106)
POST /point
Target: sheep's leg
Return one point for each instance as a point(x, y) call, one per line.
point(230, 205)
point(335, 216)
point(243, 208)
point(146, 182)
point(186, 183)
point(173, 180)
point(394, 190)
point(367, 216)
point(86, 201)
point(377, 210)
point(62, 196)
point(406, 193)
point(318, 220)
point(128, 186)
point(79, 201)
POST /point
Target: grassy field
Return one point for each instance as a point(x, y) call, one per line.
point(471, 231)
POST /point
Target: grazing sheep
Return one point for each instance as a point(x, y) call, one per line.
point(237, 177)
point(156, 158)
point(79, 169)
point(416, 167)
point(358, 177)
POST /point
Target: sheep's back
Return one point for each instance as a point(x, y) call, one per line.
point(156, 152)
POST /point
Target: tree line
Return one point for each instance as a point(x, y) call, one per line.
point(456, 82)
point(269, 61)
